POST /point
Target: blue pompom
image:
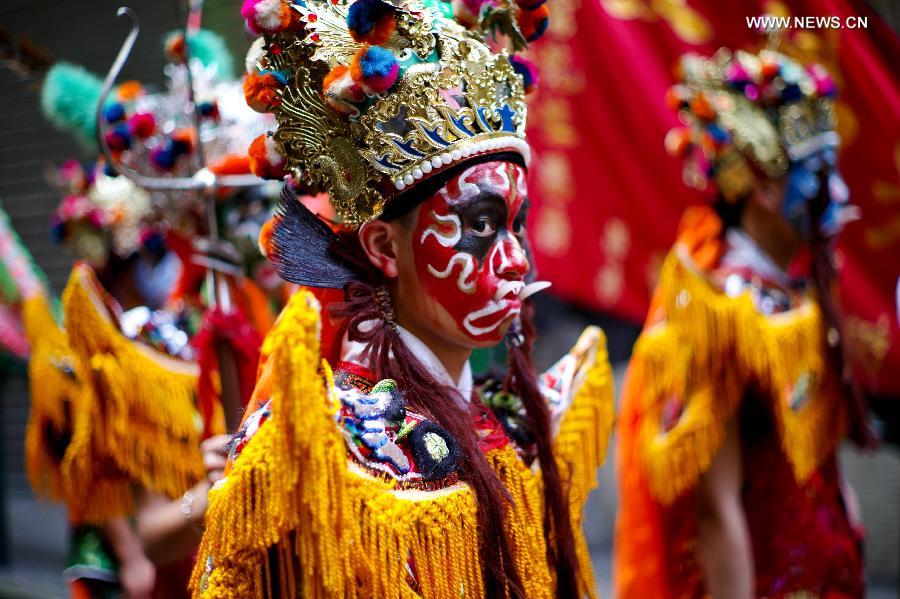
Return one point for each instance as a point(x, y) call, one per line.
point(371, 21)
point(114, 113)
point(208, 109)
point(377, 62)
point(526, 70)
point(717, 133)
point(155, 243)
point(163, 157)
point(109, 171)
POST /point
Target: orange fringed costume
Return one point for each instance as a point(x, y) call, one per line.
point(704, 358)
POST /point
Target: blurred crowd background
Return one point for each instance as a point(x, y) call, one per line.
point(606, 199)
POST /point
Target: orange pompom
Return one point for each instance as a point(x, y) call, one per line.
point(174, 48)
point(333, 75)
point(265, 237)
point(129, 90)
point(701, 107)
point(261, 90)
point(265, 160)
point(231, 164)
point(341, 92)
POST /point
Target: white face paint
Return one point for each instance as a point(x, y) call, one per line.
point(489, 310)
point(464, 282)
point(448, 240)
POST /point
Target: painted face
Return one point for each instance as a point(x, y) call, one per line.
point(802, 189)
point(469, 248)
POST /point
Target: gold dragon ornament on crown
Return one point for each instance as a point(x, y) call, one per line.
point(364, 141)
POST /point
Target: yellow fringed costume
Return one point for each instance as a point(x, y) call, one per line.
point(706, 352)
point(704, 359)
point(54, 375)
point(298, 516)
point(137, 424)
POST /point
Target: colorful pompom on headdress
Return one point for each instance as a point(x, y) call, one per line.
point(373, 96)
point(743, 111)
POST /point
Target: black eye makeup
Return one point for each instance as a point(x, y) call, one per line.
point(482, 218)
point(518, 226)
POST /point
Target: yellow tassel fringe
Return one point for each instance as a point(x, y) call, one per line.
point(707, 352)
point(53, 376)
point(582, 444)
point(138, 426)
point(338, 532)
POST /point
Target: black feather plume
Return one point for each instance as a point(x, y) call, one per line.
point(302, 247)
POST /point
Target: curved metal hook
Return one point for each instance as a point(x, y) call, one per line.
point(108, 82)
point(202, 180)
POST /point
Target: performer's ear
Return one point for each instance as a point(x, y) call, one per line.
point(379, 240)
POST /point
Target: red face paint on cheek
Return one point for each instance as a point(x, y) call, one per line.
point(466, 252)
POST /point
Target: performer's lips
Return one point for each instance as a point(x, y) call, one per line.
point(491, 317)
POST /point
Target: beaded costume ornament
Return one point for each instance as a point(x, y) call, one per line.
point(741, 109)
point(372, 97)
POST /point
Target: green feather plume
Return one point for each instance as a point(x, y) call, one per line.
point(69, 99)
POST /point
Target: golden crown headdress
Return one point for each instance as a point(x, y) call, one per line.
point(371, 97)
point(739, 109)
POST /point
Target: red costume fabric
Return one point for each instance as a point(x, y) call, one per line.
point(801, 536)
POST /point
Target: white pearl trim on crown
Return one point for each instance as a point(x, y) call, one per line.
point(479, 147)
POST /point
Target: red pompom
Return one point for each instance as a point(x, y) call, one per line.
point(769, 70)
point(142, 124)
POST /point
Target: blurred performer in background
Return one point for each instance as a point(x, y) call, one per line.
point(738, 394)
point(381, 470)
point(124, 396)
